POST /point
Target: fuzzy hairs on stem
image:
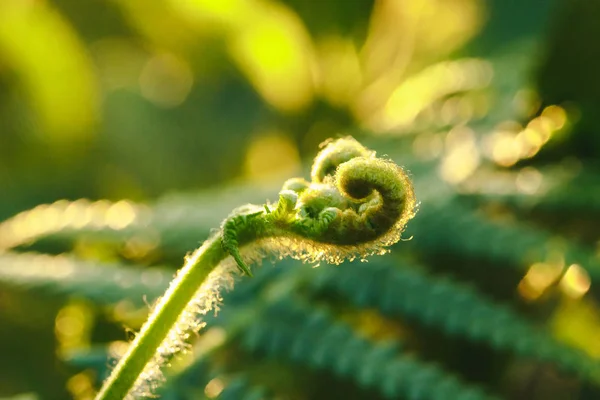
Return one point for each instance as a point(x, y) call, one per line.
point(355, 205)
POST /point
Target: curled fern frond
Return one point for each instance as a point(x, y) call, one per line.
point(358, 211)
point(356, 205)
point(335, 153)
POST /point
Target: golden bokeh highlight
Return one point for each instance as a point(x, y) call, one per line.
point(418, 92)
point(118, 348)
point(402, 38)
point(462, 157)
point(266, 40)
point(576, 282)
point(271, 155)
point(120, 214)
point(539, 277)
point(76, 214)
point(275, 52)
point(39, 267)
point(214, 388)
point(73, 327)
point(506, 150)
point(61, 215)
point(556, 116)
point(507, 145)
point(529, 180)
point(273, 49)
point(82, 386)
point(369, 323)
point(461, 109)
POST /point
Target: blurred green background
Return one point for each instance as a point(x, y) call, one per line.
point(165, 115)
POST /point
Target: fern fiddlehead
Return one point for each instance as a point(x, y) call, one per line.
point(356, 205)
point(357, 211)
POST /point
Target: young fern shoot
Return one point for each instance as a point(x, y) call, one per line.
point(355, 205)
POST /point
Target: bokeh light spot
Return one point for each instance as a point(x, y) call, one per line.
point(271, 155)
point(274, 51)
point(462, 156)
point(120, 215)
point(73, 326)
point(214, 388)
point(166, 80)
point(81, 386)
point(506, 149)
point(538, 278)
point(528, 180)
point(575, 282)
point(557, 115)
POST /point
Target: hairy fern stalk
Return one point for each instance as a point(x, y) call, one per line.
point(355, 205)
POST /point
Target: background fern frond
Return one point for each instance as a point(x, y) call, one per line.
point(559, 190)
point(105, 283)
point(404, 291)
point(511, 244)
point(312, 337)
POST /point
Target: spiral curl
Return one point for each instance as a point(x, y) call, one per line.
point(334, 153)
point(356, 205)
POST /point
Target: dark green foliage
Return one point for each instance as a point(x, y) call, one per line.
point(569, 74)
point(466, 232)
point(456, 309)
point(241, 389)
point(293, 331)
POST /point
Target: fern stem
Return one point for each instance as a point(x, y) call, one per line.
point(195, 271)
